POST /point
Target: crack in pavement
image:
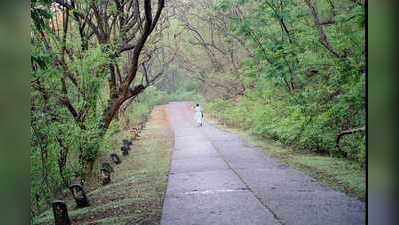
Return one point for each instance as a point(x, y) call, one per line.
point(215, 171)
point(243, 181)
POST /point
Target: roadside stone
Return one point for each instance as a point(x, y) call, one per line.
point(115, 158)
point(60, 212)
point(79, 195)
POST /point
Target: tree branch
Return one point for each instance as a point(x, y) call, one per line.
point(323, 37)
point(346, 132)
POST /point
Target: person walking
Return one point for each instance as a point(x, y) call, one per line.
point(199, 116)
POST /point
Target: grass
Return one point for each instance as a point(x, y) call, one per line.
point(136, 192)
point(338, 173)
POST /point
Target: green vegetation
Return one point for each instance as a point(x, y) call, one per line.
point(138, 185)
point(133, 115)
point(304, 80)
point(86, 74)
point(290, 71)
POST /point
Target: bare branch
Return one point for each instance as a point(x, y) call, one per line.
point(346, 132)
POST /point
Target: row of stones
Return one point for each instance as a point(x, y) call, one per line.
point(60, 209)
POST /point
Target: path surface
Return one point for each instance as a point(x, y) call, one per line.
point(218, 179)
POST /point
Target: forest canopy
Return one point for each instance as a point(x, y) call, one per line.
point(294, 71)
point(90, 60)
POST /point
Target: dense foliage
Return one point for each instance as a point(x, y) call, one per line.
point(298, 69)
point(308, 73)
point(90, 62)
point(48, 178)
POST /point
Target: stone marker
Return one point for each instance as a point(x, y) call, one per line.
point(127, 146)
point(115, 158)
point(79, 195)
point(60, 212)
point(136, 132)
point(105, 176)
point(125, 150)
point(107, 167)
point(127, 142)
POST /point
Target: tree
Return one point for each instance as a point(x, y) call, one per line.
point(88, 59)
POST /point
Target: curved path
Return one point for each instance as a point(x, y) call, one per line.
point(218, 179)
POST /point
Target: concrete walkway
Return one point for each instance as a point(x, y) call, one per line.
point(217, 179)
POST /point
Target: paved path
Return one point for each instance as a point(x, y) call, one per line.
point(217, 179)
